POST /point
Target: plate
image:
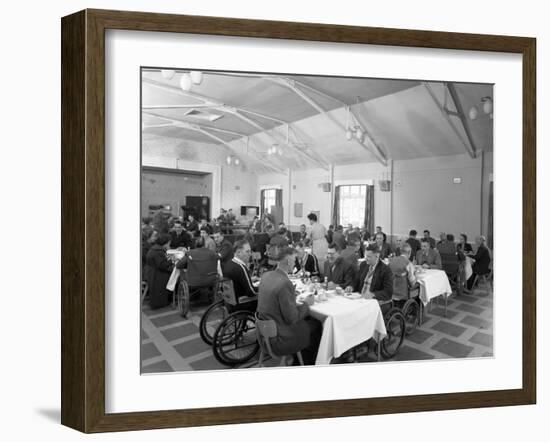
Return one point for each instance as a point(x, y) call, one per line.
point(353, 295)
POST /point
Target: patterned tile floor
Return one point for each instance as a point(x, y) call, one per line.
point(172, 343)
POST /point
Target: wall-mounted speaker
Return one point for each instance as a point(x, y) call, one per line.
point(325, 187)
point(385, 185)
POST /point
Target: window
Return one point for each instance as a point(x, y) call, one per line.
point(352, 205)
point(269, 199)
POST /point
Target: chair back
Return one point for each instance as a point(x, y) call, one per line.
point(450, 263)
point(400, 286)
point(265, 329)
point(202, 271)
point(227, 292)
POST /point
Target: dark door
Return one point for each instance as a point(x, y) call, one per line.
point(198, 206)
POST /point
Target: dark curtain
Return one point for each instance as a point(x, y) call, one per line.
point(336, 208)
point(490, 227)
point(279, 197)
point(369, 208)
point(262, 202)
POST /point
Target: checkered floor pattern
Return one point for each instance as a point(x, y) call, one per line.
point(172, 343)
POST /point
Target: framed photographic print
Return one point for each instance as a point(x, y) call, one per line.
point(267, 221)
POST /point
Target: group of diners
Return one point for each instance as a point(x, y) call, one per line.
point(349, 261)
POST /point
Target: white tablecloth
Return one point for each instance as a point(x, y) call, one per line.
point(433, 283)
point(468, 267)
point(346, 323)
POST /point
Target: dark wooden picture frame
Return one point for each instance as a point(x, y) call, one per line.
point(83, 220)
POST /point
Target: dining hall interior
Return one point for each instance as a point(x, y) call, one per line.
point(372, 198)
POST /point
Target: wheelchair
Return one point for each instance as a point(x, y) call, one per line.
point(407, 298)
point(229, 326)
point(395, 322)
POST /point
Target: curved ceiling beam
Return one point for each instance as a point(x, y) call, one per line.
point(470, 148)
point(204, 131)
point(294, 86)
point(238, 112)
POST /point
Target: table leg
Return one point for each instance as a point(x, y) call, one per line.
point(378, 350)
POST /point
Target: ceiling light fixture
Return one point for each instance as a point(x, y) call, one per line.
point(237, 161)
point(228, 160)
point(167, 73)
point(487, 105)
point(196, 77)
point(185, 82)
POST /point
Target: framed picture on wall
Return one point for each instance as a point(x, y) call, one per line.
point(369, 126)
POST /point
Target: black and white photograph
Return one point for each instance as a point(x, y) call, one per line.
point(292, 220)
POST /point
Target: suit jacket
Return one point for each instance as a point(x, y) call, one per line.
point(240, 275)
point(385, 250)
point(311, 264)
point(339, 238)
point(351, 254)
point(415, 246)
point(341, 272)
point(482, 261)
point(382, 280)
point(182, 240)
point(446, 247)
point(277, 301)
point(433, 259)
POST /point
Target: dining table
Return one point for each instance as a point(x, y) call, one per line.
point(348, 320)
point(433, 283)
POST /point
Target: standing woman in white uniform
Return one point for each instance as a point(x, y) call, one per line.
point(317, 235)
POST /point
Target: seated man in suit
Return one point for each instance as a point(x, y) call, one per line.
point(337, 270)
point(428, 238)
point(296, 331)
point(427, 257)
point(305, 261)
point(338, 237)
point(201, 264)
point(224, 247)
point(236, 269)
point(447, 247)
point(352, 252)
point(375, 279)
point(482, 261)
point(414, 243)
point(384, 249)
point(180, 238)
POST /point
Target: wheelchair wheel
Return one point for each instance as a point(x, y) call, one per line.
point(183, 298)
point(395, 329)
point(211, 319)
point(234, 341)
point(411, 311)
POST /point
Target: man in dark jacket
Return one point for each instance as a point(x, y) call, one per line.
point(296, 331)
point(225, 248)
point(236, 269)
point(375, 279)
point(482, 262)
point(414, 243)
point(305, 261)
point(157, 272)
point(338, 270)
point(180, 238)
point(339, 238)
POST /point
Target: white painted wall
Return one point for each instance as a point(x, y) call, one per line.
point(231, 186)
point(424, 195)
